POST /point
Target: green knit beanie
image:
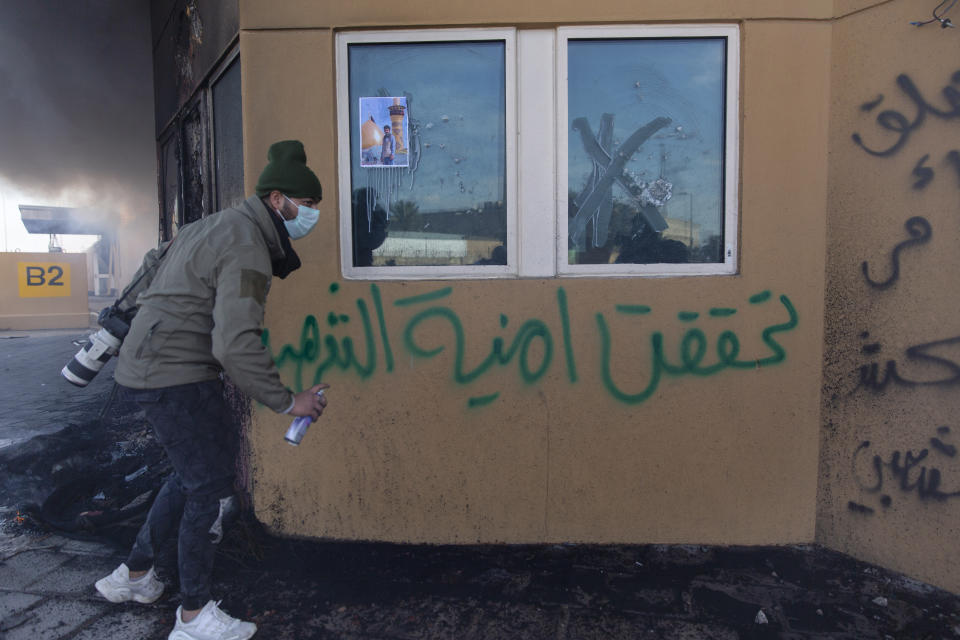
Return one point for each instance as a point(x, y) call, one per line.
point(288, 173)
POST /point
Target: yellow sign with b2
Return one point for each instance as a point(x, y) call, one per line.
point(43, 279)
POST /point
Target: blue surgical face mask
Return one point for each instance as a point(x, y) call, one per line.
point(304, 222)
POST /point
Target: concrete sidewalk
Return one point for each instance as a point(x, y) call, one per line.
point(46, 592)
point(365, 591)
point(45, 588)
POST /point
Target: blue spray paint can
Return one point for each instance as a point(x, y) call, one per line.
point(298, 428)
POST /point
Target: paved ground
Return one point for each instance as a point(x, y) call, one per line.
point(362, 591)
point(27, 412)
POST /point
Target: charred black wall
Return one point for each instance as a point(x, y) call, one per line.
point(189, 38)
point(198, 114)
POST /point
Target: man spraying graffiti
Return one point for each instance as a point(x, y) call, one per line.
point(200, 303)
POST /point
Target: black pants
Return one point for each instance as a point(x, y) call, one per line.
point(193, 423)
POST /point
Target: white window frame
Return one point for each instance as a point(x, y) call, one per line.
point(731, 176)
point(536, 152)
point(344, 40)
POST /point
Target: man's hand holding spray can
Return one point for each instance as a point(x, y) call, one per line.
point(307, 406)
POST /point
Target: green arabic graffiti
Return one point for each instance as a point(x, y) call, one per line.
point(521, 343)
point(693, 349)
point(532, 346)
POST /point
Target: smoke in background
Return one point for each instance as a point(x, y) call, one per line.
point(76, 110)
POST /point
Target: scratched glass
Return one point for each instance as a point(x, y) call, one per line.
point(170, 183)
point(646, 150)
point(448, 206)
point(228, 137)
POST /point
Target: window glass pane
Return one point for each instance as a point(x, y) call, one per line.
point(192, 163)
point(646, 150)
point(228, 137)
point(441, 198)
point(170, 186)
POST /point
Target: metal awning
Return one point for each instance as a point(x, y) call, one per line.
point(65, 220)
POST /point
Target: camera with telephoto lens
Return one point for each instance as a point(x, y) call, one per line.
point(103, 345)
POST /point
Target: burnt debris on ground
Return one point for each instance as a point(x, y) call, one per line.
point(95, 477)
point(575, 591)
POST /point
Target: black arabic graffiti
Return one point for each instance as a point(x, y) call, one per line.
point(896, 122)
point(904, 469)
point(924, 174)
point(871, 378)
point(920, 232)
point(953, 157)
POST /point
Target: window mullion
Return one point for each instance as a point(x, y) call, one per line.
point(536, 153)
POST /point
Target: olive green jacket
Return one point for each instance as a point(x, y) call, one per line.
point(201, 303)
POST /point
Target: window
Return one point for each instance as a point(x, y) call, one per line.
point(227, 139)
point(441, 206)
point(624, 141)
point(169, 184)
point(200, 151)
point(646, 142)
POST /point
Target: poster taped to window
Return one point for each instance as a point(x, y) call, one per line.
point(383, 132)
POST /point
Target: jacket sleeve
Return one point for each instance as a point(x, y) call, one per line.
point(144, 276)
point(242, 279)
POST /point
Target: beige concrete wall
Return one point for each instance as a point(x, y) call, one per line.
point(258, 14)
point(402, 454)
point(43, 291)
point(891, 380)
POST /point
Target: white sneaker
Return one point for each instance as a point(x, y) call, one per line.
point(118, 587)
point(212, 623)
